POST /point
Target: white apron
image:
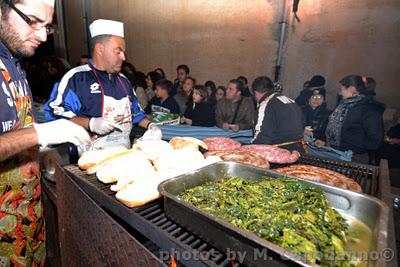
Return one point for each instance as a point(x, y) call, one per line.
point(119, 113)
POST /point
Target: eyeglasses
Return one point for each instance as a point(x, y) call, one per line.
point(32, 23)
point(317, 96)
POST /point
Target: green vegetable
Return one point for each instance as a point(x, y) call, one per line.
point(289, 213)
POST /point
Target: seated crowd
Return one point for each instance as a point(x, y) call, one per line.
point(355, 124)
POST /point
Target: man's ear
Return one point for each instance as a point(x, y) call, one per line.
point(99, 49)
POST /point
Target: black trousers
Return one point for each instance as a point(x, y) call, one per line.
point(391, 153)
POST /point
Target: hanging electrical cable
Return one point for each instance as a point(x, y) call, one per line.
point(295, 9)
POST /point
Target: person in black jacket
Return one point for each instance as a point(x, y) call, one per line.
point(316, 115)
point(201, 111)
point(390, 149)
point(162, 101)
point(356, 124)
point(182, 71)
point(246, 91)
point(279, 117)
point(316, 82)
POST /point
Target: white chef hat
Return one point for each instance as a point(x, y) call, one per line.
point(48, 2)
point(104, 26)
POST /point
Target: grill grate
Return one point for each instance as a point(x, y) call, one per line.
point(163, 232)
point(151, 221)
point(365, 175)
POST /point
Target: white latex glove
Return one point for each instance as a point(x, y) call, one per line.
point(60, 131)
point(153, 127)
point(100, 125)
point(153, 133)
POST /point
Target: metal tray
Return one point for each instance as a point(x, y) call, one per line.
point(247, 247)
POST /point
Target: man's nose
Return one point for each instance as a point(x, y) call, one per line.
point(42, 34)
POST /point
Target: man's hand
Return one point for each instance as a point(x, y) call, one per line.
point(186, 120)
point(394, 141)
point(60, 131)
point(100, 126)
point(234, 127)
point(225, 126)
point(319, 142)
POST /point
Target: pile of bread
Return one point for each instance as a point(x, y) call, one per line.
point(136, 173)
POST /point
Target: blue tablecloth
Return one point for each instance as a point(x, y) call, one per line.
point(243, 136)
point(38, 112)
point(326, 151)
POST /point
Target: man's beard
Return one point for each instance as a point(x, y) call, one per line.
point(9, 37)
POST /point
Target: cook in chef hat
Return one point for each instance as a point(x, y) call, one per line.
point(106, 27)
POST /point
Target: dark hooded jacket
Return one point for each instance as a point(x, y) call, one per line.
point(201, 114)
point(362, 130)
point(282, 122)
point(316, 118)
point(305, 95)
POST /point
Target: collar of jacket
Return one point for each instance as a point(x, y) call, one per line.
point(6, 55)
point(5, 52)
point(102, 73)
point(266, 97)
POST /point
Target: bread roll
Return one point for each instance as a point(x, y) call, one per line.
point(90, 158)
point(181, 142)
point(126, 169)
point(154, 148)
point(93, 169)
point(138, 193)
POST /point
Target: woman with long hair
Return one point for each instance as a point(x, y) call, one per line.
point(151, 78)
point(184, 95)
point(200, 112)
point(356, 124)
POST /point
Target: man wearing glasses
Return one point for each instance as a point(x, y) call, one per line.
point(24, 25)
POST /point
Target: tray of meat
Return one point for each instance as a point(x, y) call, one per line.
point(272, 153)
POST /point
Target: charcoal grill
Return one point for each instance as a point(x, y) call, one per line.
point(151, 221)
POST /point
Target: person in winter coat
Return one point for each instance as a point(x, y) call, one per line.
point(184, 96)
point(279, 117)
point(235, 112)
point(151, 78)
point(390, 149)
point(356, 124)
point(316, 115)
point(182, 71)
point(201, 111)
point(162, 101)
point(316, 82)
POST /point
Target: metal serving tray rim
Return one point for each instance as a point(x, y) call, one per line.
point(382, 222)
